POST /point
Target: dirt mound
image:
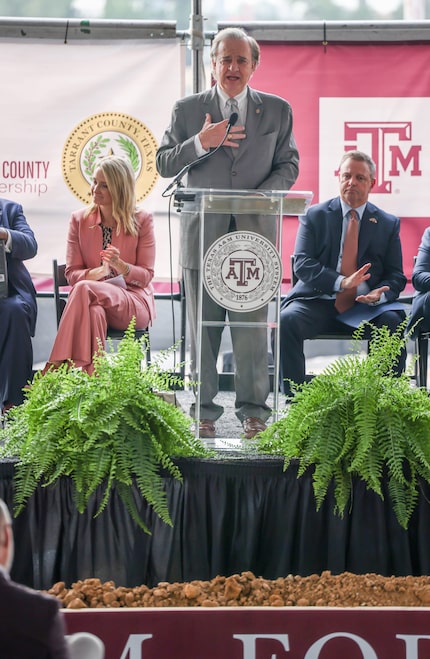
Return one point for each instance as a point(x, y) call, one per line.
point(343, 590)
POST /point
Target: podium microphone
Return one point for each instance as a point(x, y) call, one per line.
point(177, 180)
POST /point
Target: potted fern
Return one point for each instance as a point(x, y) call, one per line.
point(357, 419)
point(110, 429)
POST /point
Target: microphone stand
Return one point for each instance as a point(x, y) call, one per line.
point(178, 178)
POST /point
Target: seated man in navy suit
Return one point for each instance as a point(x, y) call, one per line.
point(312, 306)
point(18, 310)
point(32, 626)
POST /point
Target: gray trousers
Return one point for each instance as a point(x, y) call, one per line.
point(250, 350)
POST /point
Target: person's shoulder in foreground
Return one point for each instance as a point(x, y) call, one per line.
point(32, 626)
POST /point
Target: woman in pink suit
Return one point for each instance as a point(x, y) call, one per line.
point(110, 241)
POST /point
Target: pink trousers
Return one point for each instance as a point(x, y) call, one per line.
point(91, 307)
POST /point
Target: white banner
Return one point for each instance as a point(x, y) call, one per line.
point(61, 106)
point(395, 132)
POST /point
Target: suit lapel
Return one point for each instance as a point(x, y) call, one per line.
point(254, 114)
point(334, 227)
point(254, 111)
point(211, 103)
point(368, 224)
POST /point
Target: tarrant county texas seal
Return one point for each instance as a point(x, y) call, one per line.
point(104, 134)
point(242, 271)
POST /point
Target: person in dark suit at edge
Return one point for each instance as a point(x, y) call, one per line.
point(309, 308)
point(18, 311)
point(259, 153)
point(419, 320)
point(31, 623)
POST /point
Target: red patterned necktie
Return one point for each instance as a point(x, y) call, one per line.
point(345, 299)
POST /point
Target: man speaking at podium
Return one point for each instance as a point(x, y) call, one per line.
point(258, 150)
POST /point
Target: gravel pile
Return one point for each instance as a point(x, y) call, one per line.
point(343, 590)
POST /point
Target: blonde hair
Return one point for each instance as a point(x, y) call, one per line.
point(121, 183)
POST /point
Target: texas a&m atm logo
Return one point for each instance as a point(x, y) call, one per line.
point(390, 159)
point(394, 132)
point(242, 271)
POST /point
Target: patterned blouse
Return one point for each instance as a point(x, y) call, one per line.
point(107, 240)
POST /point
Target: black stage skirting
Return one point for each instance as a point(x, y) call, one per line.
point(230, 515)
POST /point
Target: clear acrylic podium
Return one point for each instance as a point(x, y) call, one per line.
point(241, 265)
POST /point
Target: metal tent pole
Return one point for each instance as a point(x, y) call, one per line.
point(197, 42)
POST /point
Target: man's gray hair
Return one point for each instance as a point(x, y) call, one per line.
point(363, 157)
point(235, 33)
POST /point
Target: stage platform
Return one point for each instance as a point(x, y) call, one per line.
point(234, 512)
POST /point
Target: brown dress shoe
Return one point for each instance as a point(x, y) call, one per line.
point(252, 426)
point(7, 407)
point(50, 366)
point(207, 429)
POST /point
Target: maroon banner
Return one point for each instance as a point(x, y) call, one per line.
point(368, 96)
point(258, 633)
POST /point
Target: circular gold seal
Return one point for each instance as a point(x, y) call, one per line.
point(105, 134)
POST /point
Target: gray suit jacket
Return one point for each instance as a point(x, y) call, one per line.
point(267, 159)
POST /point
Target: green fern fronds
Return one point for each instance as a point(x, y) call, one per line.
point(358, 420)
point(108, 431)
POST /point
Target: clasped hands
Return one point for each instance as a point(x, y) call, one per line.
point(357, 278)
point(111, 260)
point(211, 135)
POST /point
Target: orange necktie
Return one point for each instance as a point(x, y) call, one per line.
point(345, 299)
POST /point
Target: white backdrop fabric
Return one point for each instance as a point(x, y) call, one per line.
point(48, 88)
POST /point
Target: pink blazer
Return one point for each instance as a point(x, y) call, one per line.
point(84, 244)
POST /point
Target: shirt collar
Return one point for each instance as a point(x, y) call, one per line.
point(240, 98)
point(346, 209)
point(4, 572)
